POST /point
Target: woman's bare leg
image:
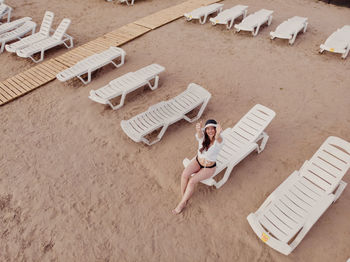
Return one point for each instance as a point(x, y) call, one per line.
point(192, 168)
point(204, 173)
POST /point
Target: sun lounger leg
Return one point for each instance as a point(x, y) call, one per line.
point(225, 177)
point(70, 42)
point(121, 62)
point(270, 20)
point(40, 59)
point(254, 33)
point(199, 113)
point(230, 24)
point(344, 55)
point(86, 81)
point(202, 21)
point(159, 137)
point(292, 40)
point(339, 190)
point(245, 13)
point(264, 138)
point(305, 27)
point(2, 47)
point(122, 99)
point(156, 80)
point(9, 15)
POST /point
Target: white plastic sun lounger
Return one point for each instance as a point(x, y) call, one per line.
point(254, 21)
point(338, 42)
point(162, 115)
point(128, 2)
point(58, 38)
point(6, 27)
point(17, 33)
point(203, 12)
point(289, 29)
point(228, 16)
point(92, 63)
point(5, 10)
point(240, 141)
point(294, 207)
point(43, 33)
point(126, 84)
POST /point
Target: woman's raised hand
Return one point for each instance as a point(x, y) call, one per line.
point(199, 126)
point(218, 130)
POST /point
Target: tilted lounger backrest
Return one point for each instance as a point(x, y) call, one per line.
point(46, 23)
point(61, 29)
point(240, 138)
point(328, 165)
point(253, 123)
point(20, 31)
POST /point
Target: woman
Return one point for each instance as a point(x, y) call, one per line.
point(204, 165)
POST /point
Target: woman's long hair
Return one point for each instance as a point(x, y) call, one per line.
point(206, 142)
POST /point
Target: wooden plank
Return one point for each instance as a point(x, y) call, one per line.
point(4, 92)
point(20, 85)
point(10, 93)
point(35, 78)
point(3, 99)
point(21, 78)
point(38, 76)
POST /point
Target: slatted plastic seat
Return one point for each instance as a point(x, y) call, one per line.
point(240, 141)
point(254, 21)
point(338, 42)
point(24, 29)
point(203, 12)
point(43, 33)
point(162, 115)
point(289, 29)
point(126, 84)
point(5, 10)
point(228, 16)
point(6, 27)
point(58, 38)
point(92, 63)
point(294, 207)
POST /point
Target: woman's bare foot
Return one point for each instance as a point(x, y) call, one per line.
point(179, 208)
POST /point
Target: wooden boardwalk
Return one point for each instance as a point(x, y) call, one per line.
point(45, 72)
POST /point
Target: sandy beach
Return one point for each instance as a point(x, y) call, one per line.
point(74, 187)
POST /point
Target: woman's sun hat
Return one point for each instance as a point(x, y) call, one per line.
point(210, 122)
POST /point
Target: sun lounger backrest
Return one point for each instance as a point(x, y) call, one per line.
point(329, 164)
point(253, 123)
point(46, 23)
point(61, 29)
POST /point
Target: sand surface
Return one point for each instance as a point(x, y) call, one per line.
point(74, 187)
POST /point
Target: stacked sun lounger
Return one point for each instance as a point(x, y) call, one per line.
point(203, 12)
point(125, 84)
point(92, 63)
point(43, 33)
point(5, 10)
point(58, 38)
point(240, 141)
point(21, 28)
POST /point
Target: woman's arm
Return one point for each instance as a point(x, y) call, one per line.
point(199, 130)
point(218, 133)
